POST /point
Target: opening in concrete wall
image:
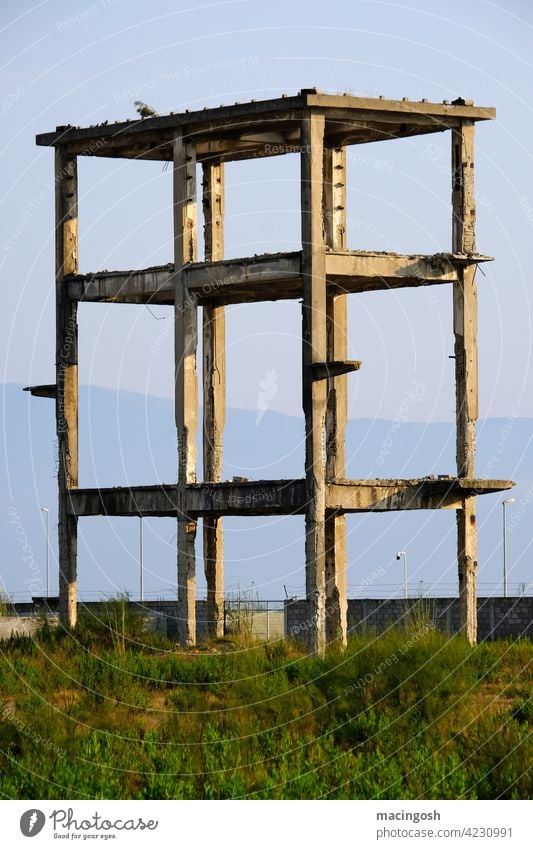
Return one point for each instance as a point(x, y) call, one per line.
point(398, 195)
point(109, 556)
point(264, 435)
point(126, 422)
point(125, 214)
point(402, 400)
point(374, 539)
point(262, 203)
point(264, 556)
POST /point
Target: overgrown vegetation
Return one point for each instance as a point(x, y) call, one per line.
point(6, 608)
point(113, 712)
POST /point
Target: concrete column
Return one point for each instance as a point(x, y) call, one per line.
point(186, 389)
point(66, 202)
point(334, 200)
point(214, 388)
point(314, 350)
point(466, 368)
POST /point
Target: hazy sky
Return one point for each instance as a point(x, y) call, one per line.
point(83, 62)
point(80, 62)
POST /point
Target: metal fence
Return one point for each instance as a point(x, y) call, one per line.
point(263, 620)
point(248, 603)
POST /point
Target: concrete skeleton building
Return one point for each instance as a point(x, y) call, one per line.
point(322, 275)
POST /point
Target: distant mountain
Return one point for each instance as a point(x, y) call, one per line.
point(126, 438)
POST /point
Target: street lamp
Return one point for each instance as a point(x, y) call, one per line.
point(46, 511)
point(399, 555)
point(504, 505)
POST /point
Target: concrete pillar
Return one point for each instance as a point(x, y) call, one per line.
point(186, 389)
point(214, 388)
point(337, 399)
point(466, 368)
point(314, 350)
point(66, 202)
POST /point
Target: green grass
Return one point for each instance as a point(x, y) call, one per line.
point(112, 712)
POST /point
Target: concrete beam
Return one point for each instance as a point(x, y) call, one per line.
point(379, 496)
point(45, 390)
point(363, 271)
point(255, 498)
point(142, 138)
point(277, 498)
point(334, 368)
point(150, 285)
point(269, 277)
point(259, 278)
point(158, 500)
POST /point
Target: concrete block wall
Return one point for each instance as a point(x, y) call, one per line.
point(497, 617)
point(167, 612)
point(161, 616)
point(19, 626)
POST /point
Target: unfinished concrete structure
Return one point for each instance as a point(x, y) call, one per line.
point(322, 275)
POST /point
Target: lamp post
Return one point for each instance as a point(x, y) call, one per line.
point(46, 512)
point(399, 555)
point(504, 505)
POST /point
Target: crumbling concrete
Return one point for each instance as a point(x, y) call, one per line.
point(319, 127)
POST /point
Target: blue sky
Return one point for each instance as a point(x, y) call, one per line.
point(81, 63)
